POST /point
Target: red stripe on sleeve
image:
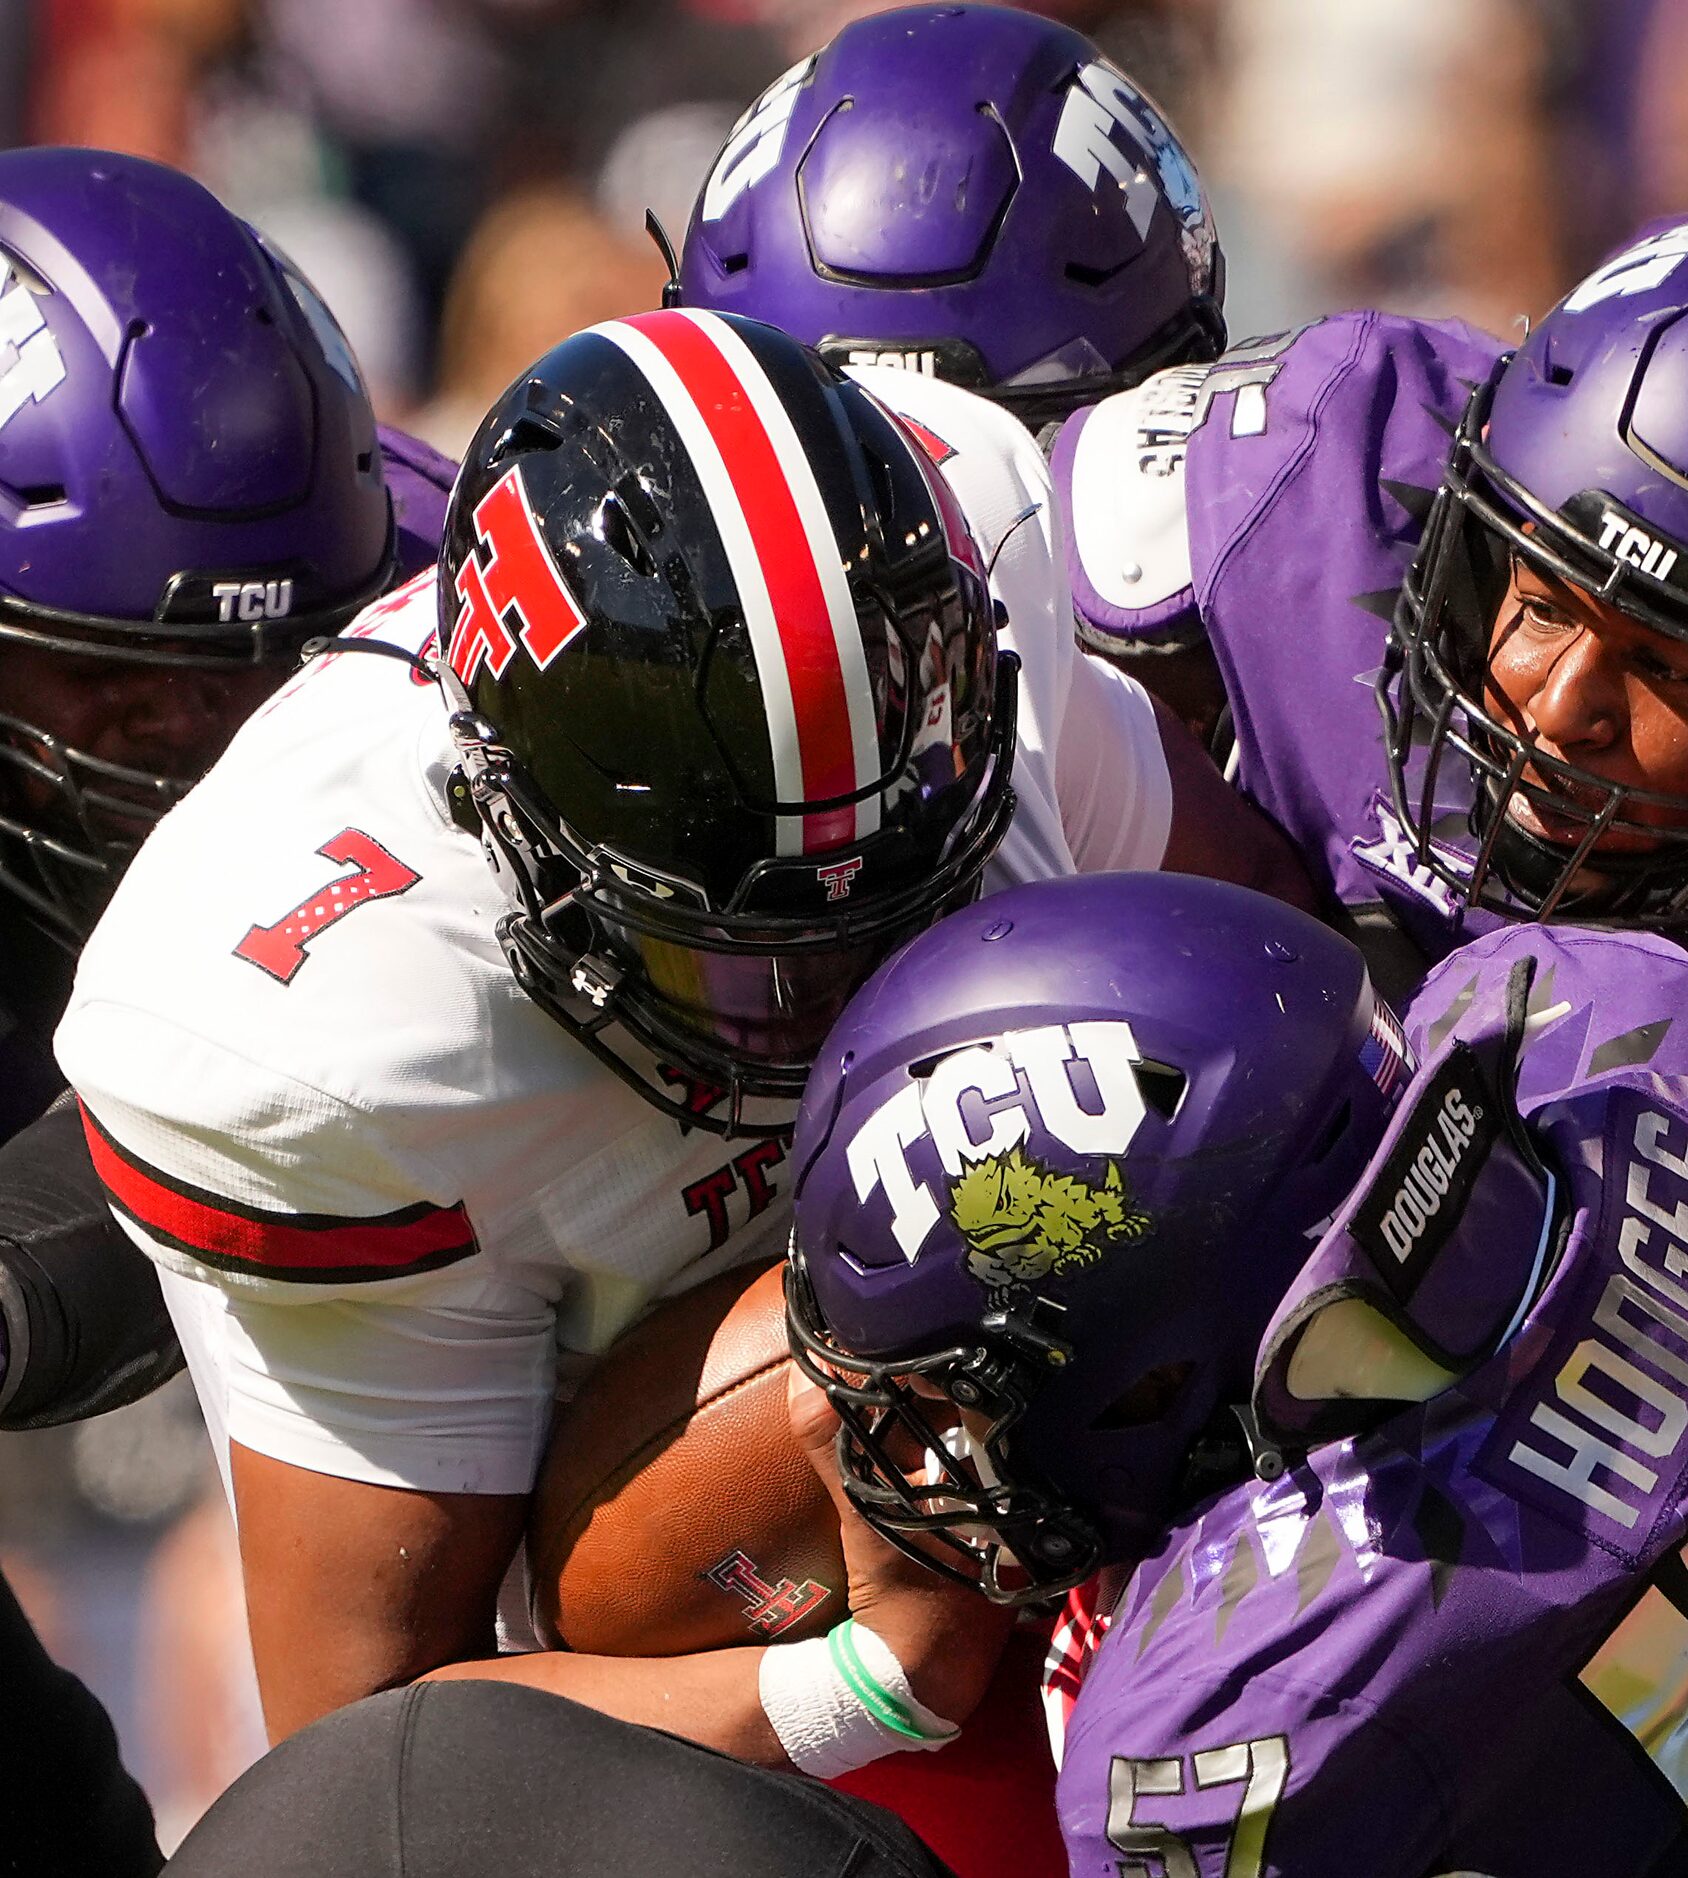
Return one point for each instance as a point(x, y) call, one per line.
point(278, 1245)
point(787, 559)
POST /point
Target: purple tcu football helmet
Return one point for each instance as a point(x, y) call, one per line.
point(969, 191)
point(1574, 460)
point(189, 480)
point(1056, 1165)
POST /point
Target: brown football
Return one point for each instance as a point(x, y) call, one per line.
point(674, 1510)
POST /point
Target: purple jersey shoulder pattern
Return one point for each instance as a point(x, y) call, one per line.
point(419, 481)
point(1458, 1643)
point(1309, 483)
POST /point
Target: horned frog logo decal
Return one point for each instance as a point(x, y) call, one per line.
point(1023, 1221)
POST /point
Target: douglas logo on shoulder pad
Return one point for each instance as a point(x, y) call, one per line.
point(1421, 1189)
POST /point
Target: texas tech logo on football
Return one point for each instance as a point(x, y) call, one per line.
point(770, 1609)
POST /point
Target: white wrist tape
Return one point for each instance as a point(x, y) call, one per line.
point(840, 1701)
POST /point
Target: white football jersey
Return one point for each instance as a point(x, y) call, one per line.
point(387, 1190)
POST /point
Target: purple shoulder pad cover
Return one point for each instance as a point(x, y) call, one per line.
point(1448, 1232)
point(419, 481)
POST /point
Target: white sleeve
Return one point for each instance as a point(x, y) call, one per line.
point(381, 1364)
point(1111, 773)
point(442, 1384)
point(1090, 774)
point(206, 1119)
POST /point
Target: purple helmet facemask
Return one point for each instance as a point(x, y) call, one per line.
point(190, 486)
point(970, 192)
point(1573, 461)
point(1056, 1164)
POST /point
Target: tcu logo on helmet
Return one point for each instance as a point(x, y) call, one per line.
point(1640, 269)
point(518, 576)
point(755, 145)
point(1074, 1080)
point(1620, 537)
point(1102, 101)
point(30, 362)
point(252, 600)
point(921, 359)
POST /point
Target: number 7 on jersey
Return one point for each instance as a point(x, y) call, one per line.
point(280, 949)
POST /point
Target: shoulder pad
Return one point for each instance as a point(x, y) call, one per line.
point(1119, 476)
point(1434, 1259)
point(419, 482)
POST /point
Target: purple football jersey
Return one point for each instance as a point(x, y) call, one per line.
point(419, 481)
point(1274, 500)
point(1458, 1642)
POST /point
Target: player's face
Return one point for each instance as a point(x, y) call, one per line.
point(167, 721)
point(1594, 688)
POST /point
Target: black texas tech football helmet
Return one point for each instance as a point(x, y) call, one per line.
point(730, 711)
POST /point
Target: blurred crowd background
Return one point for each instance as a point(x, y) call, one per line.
point(466, 181)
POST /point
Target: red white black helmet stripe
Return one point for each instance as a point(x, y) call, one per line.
point(785, 561)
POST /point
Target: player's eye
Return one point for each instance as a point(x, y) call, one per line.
point(1656, 669)
point(1543, 616)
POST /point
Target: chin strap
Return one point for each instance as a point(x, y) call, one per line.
point(598, 993)
point(1230, 1448)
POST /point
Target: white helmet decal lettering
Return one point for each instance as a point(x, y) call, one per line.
point(31, 364)
point(754, 148)
point(937, 1109)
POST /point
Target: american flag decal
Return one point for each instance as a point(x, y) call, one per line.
point(1386, 1056)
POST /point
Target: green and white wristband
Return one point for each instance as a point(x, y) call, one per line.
point(840, 1701)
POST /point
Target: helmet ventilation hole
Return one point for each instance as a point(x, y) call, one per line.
point(618, 533)
point(1162, 1086)
point(922, 1070)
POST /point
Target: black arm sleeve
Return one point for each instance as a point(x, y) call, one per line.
point(72, 1809)
point(85, 1323)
